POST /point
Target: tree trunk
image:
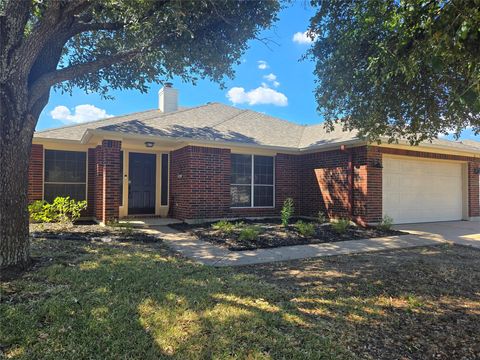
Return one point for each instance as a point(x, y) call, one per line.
point(15, 146)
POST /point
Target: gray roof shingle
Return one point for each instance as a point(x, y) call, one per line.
point(220, 122)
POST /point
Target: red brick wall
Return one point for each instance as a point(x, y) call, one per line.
point(203, 191)
point(35, 173)
point(107, 180)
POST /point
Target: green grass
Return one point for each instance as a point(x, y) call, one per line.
point(138, 301)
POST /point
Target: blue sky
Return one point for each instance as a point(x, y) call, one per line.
point(283, 86)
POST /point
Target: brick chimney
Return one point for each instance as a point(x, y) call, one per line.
point(168, 98)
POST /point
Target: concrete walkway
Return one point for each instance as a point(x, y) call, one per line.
point(459, 232)
point(209, 254)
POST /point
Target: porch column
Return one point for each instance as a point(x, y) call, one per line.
point(107, 180)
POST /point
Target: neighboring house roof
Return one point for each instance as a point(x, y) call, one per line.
point(220, 122)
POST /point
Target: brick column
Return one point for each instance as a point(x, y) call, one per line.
point(35, 174)
point(107, 180)
point(473, 189)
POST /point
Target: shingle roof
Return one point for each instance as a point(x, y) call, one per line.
point(220, 122)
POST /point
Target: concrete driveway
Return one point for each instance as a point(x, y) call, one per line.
point(458, 232)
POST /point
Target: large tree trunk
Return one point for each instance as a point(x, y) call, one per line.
point(16, 131)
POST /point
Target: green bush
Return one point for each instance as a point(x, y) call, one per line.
point(341, 225)
point(226, 227)
point(287, 211)
point(304, 228)
point(249, 233)
point(62, 210)
point(386, 223)
point(322, 218)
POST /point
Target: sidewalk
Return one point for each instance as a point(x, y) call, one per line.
point(209, 254)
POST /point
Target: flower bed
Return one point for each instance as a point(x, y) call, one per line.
point(269, 233)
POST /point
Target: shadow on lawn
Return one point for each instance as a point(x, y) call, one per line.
point(420, 303)
point(140, 301)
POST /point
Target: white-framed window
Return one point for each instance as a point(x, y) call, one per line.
point(65, 174)
point(252, 181)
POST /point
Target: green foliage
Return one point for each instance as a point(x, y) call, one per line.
point(39, 212)
point(340, 225)
point(63, 210)
point(399, 69)
point(249, 233)
point(322, 218)
point(287, 211)
point(386, 223)
point(226, 227)
point(151, 41)
point(304, 228)
point(125, 226)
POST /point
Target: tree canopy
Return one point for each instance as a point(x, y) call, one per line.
point(398, 69)
point(99, 45)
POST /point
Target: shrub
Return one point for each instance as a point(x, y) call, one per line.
point(304, 228)
point(249, 233)
point(322, 218)
point(287, 211)
point(226, 227)
point(340, 225)
point(63, 210)
point(386, 223)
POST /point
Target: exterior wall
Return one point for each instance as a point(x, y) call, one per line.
point(107, 180)
point(200, 184)
point(35, 173)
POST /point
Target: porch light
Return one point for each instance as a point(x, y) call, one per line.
point(476, 171)
point(377, 163)
point(149, 144)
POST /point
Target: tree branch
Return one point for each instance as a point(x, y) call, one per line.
point(45, 82)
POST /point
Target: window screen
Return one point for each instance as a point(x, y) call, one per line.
point(65, 174)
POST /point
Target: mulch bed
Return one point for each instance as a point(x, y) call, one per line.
point(89, 232)
point(273, 234)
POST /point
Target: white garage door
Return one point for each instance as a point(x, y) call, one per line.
point(421, 191)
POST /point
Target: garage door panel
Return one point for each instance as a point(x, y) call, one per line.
point(422, 191)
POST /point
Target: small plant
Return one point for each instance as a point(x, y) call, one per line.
point(225, 227)
point(322, 218)
point(63, 210)
point(386, 223)
point(340, 225)
point(287, 211)
point(304, 228)
point(125, 227)
point(249, 233)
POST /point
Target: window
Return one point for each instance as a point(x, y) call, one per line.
point(252, 181)
point(65, 174)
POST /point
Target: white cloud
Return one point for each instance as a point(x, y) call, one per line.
point(272, 78)
point(302, 38)
point(262, 64)
point(81, 113)
point(262, 95)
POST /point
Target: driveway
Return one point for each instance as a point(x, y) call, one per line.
point(458, 232)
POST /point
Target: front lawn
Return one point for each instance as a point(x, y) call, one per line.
point(109, 300)
point(248, 234)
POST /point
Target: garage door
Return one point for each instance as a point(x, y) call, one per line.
point(421, 191)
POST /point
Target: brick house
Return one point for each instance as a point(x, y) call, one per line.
point(217, 161)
